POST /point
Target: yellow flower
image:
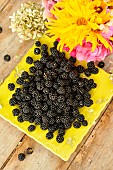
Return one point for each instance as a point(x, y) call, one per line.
point(77, 20)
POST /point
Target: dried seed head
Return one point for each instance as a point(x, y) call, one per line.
point(28, 21)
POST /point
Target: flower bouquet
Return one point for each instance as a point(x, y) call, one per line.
point(84, 28)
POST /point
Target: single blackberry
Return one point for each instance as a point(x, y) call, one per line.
point(75, 113)
point(38, 43)
point(30, 77)
point(25, 117)
point(75, 103)
point(101, 64)
point(87, 72)
point(61, 90)
point(49, 135)
point(20, 80)
point(64, 75)
point(91, 64)
point(91, 81)
point(44, 47)
point(51, 121)
point(66, 68)
point(55, 85)
point(59, 138)
point(52, 128)
point(94, 70)
point(31, 120)
point(80, 117)
point(38, 64)
point(38, 121)
point(78, 97)
point(12, 102)
point(50, 113)
point(76, 124)
point(16, 112)
point(1, 29)
point(43, 60)
point(94, 85)
point(87, 95)
point(39, 86)
point(61, 132)
point(81, 91)
point(58, 119)
point(44, 126)
point(54, 52)
point(55, 43)
point(88, 102)
point(69, 102)
point(61, 98)
point(67, 125)
point(48, 83)
point(31, 128)
point(73, 74)
point(11, 86)
point(29, 60)
point(62, 55)
point(72, 59)
point(21, 156)
point(81, 103)
point(32, 69)
point(7, 57)
point(85, 123)
point(24, 75)
point(52, 96)
point(45, 107)
point(37, 51)
point(20, 119)
point(80, 69)
point(29, 151)
point(44, 54)
point(17, 90)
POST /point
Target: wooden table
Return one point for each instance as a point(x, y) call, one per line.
point(95, 152)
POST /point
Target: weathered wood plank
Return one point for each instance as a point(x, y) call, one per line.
point(9, 137)
point(96, 154)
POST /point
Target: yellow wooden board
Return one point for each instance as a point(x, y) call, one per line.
point(101, 96)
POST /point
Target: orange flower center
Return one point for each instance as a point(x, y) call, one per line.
point(81, 21)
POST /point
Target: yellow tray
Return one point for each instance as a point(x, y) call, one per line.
point(101, 96)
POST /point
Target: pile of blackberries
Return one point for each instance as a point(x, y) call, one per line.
point(52, 92)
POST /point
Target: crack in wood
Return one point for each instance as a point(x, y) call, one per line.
point(13, 152)
point(4, 5)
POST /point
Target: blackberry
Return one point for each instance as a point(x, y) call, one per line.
point(94, 85)
point(48, 83)
point(61, 98)
point(85, 123)
point(29, 151)
point(67, 125)
point(18, 90)
point(61, 132)
point(25, 85)
point(69, 102)
point(59, 138)
point(81, 83)
point(76, 124)
point(61, 90)
point(31, 128)
point(38, 121)
point(46, 90)
point(38, 64)
point(94, 70)
point(25, 117)
point(80, 69)
point(87, 72)
point(43, 60)
point(52, 121)
point(45, 107)
point(49, 135)
point(88, 102)
point(20, 119)
point(64, 75)
point(20, 80)
point(44, 126)
point(52, 128)
point(44, 54)
point(91, 64)
point(11, 86)
point(29, 60)
point(75, 113)
point(21, 156)
point(81, 91)
point(67, 69)
point(50, 113)
point(75, 87)
point(37, 51)
point(58, 119)
point(38, 43)
point(81, 103)
point(55, 85)
point(31, 120)
point(39, 86)
point(91, 81)
point(44, 47)
point(26, 109)
point(38, 75)
point(101, 64)
point(7, 57)
point(16, 112)
point(72, 59)
point(54, 51)
point(32, 69)
point(62, 55)
point(24, 75)
point(52, 96)
point(30, 77)
point(80, 118)
point(12, 102)
point(55, 43)
point(87, 95)
point(78, 97)
point(1, 30)
point(73, 74)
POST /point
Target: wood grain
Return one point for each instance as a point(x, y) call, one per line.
point(9, 138)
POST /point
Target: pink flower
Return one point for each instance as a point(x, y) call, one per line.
point(109, 33)
point(48, 4)
point(84, 52)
